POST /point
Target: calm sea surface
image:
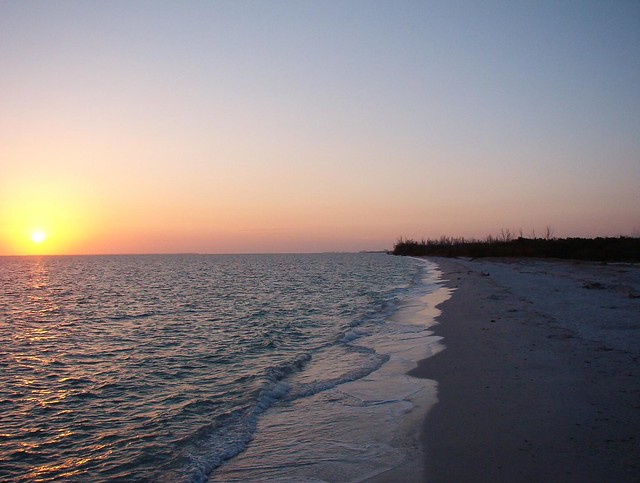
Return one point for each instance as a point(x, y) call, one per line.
point(160, 367)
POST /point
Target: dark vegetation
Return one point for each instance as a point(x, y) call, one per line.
point(610, 249)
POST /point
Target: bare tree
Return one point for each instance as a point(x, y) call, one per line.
point(548, 234)
point(506, 235)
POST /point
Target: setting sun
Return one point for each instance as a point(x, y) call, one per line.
point(38, 236)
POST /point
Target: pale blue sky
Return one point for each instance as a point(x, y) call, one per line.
point(322, 125)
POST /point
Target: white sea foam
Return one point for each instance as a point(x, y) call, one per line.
point(174, 361)
point(353, 334)
point(357, 427)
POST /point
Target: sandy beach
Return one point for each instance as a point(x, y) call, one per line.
point(540, 378)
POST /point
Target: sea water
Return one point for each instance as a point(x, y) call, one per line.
point(196, 367)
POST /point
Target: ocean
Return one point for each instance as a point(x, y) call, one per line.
point(207, 367)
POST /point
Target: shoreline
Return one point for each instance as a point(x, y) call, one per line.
point(540, 378)
point(364, 429)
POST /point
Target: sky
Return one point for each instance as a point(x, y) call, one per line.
point(306, 126)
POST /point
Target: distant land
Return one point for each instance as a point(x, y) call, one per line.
point(608, 249)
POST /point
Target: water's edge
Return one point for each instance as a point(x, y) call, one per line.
point(359, 429)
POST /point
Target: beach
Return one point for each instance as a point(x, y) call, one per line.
point(348, 368)
point(540, 378)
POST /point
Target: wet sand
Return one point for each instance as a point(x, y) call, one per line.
point(540, 379)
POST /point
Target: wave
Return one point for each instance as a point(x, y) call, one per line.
point(213, 444)
point(187, 361)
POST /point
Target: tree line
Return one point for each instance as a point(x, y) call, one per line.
point(607, 249)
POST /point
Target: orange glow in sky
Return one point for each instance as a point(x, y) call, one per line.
point(228, 127)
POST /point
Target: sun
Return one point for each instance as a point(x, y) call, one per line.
point(38, 236)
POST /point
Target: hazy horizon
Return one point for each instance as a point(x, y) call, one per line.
point(302, 127)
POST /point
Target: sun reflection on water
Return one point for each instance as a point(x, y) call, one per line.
point(110, 362)
point(67, 469)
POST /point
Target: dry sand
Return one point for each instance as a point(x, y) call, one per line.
point(540, 379)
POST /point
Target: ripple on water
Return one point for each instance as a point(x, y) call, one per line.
point(155, 367)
